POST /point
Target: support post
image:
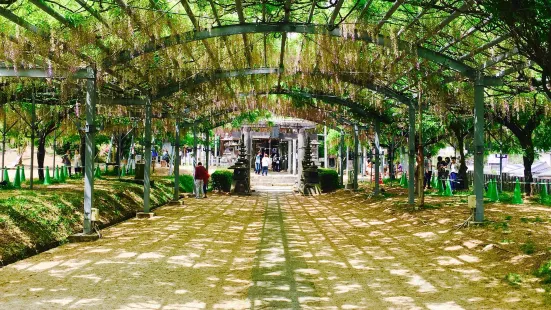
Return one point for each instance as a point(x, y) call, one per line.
point(4, 132)
point(341, 159)
point(33, 128)
point(90, 132)
point(377, 159)
point(207, 149)
point(356, 157)
point(290, 156)
point(147, 156)
point(176, 196)
point(248, 146)
point(295, 156)
point(411, 154)
point(325, 155)
point(479, 146)
point(215, 150)
point(194, 159)
point(301, 144)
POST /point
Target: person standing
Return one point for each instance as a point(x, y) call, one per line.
point(76, 161)
point(258, 163)
point(200, 175)
point(265, 164)
point(454, 170)
point(67, 161)
point(441, 169)
point(154, 155)
point(428, 171)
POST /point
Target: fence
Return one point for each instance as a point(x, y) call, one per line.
point(509, 182)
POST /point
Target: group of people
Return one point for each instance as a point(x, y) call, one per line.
point(77, 163)
point(262, 163)
point(445, 168)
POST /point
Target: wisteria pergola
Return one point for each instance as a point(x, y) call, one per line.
point(202, 59)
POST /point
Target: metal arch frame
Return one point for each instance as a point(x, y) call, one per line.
point(229, 30)
point(215, 75)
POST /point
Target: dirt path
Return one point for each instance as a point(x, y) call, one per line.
point(269, 251)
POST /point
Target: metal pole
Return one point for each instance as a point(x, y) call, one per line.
point(207, 148)
point(411, 155)
point(325, 155)
point(147, 155)
point(479, 147)
point(290, 156)
point(295, 156)
point(356, 157)
point(194, 159)
point(341, 159)
point(176, 196)
point(301, 144)
point(89, 155)
point(501, 160)
point(377, 159)
point(347, 166)
point(4, 140)
point(33, 121)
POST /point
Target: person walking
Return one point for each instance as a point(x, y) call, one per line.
point(76, 162)
point(67, 161)
point(441, 169)
point(200, 175)
point(265, 164)
point(258, 163)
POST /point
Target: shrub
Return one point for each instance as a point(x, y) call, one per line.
point(513, 279)
point(222, 180)
point(187, 183)
point(528, 248)
point(329, 180)
point(544, 272)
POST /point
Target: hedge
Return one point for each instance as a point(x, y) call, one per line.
point(329, 180)
point(222, 180)
point(187, 183)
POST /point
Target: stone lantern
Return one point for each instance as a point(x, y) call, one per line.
point(309, 179)
point(241, 181)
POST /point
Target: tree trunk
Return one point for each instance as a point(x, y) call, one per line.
point(41, 154)
point(528, 160)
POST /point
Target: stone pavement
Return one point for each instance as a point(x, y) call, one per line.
point(267, 251)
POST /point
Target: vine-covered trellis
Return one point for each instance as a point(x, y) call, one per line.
point(339, 62)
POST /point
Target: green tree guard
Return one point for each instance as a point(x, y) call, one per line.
point(434, 182)
point(66, 171)
point(105, 170)
point(62, 176)
point(97, 173)
point(448, 192)
point(57, 177)
point(402, 179)
point(123, 172)
point(17, 181)
point(489, 190)
point(23, 178)
point(544, 197)
point(47, 180)
point(6, 176)
point(493, 191)
point(440, 187)
point(405, 180)
point(517, 197)
point(130, 170)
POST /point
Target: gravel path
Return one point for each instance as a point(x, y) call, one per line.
point(270, 250)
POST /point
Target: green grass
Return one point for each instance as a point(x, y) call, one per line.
point(514, 279)
point(33, 221)
point(544, 272)
point(528, 248)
